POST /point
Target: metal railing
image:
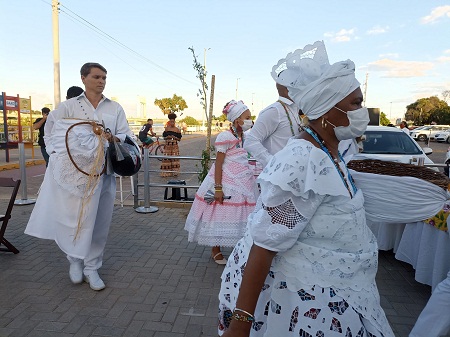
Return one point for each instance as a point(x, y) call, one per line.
point(146, 185)
point(147, 208)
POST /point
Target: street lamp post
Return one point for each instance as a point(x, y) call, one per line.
point(237, 85)
point(390, 112)
point(253, 111)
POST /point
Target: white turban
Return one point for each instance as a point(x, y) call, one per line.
point(324, 87)
point(288, 70)
point(234, 109)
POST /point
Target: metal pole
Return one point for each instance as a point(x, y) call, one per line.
point(146, 208)
point(56, 61)
point(23, 174)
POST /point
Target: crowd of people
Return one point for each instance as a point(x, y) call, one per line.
point(304, 261)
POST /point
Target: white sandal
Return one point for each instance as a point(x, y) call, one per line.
point(221, 261)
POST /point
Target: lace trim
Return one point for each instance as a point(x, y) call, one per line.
point(285, 214)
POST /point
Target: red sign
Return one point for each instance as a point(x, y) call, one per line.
point(11, 103)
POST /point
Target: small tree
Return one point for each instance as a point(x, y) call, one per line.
point(190, 120)
point(420, 110)
point(171, 105)
point(201, 75)
point(383, 119)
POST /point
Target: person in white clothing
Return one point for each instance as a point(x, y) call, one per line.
point(404, 127)
point(307, 263)
point(74, 208)
point(276, 123)
point(434, 320)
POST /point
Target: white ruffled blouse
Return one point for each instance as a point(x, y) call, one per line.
point(305, 213)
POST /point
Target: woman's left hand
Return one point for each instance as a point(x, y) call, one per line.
point(218, 196)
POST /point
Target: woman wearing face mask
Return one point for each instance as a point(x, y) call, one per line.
point(222, 222)
point(307, 263)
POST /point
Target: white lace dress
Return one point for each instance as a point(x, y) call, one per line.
point(322, 280)
point(224, 224)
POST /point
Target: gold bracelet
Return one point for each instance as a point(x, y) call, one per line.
point(244, 312)
point(238, 317)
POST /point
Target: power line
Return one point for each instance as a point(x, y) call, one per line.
point(97, 30)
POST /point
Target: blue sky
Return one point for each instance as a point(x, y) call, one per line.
point(402, 46)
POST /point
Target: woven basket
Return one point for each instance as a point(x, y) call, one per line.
point(401, 170)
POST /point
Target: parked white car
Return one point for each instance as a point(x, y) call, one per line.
point(392, 144)
point(442, 136)
point(428, 131)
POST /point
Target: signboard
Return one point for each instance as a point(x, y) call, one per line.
point(1, 102)
point(11, 103)
point(25, 105)
point(374, 116)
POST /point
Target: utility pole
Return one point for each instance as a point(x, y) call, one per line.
point(365, 90)
point(211, 107)
point(56, 62)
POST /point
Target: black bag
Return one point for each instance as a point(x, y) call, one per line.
point(125, 157)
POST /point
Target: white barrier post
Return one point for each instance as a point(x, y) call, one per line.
point(23, 174)
point(146, 208)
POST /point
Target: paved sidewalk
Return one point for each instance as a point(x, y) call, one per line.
point(158, 284)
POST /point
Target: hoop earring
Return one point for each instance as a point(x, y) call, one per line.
point(324, 123)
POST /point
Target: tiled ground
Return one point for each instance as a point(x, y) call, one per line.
point(158, 284)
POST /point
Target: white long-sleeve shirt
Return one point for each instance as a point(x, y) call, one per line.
point(272, 130)
point(110, 112)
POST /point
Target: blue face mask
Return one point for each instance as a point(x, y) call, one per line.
point(358, 120)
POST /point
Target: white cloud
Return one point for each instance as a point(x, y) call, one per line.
point(428, 89)
point(378, 30)
point(344, 35)
point(401, 69)
point(443, 59)
point(447, 51)
point(389, 55)
point(436, 14)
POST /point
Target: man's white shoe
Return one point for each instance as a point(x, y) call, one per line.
point(94, 280)
point(76, 272)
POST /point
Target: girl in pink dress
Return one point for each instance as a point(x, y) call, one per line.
point(222, 222)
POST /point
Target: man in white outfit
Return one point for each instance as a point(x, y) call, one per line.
point(79, 227)
point(434, 320)
point(276, 123)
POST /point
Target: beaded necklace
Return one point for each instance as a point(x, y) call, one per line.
point(289, 117)
point(240, 140)
point(321, 142)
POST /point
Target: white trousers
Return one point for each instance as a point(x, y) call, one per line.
point(434, 320)
point(94, 258)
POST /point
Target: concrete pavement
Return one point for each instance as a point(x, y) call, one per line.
point(158, 284)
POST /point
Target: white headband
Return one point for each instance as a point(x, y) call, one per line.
point(234, 109)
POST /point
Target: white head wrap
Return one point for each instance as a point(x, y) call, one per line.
point(234, 109)
point(319, 86)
